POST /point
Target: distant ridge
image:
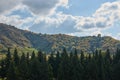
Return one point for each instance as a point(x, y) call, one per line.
point(11, 36)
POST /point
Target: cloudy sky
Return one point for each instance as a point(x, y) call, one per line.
point(73, 17)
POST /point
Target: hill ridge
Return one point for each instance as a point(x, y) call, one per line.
point(11, 36)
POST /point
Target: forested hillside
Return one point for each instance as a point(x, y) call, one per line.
point(13, 37)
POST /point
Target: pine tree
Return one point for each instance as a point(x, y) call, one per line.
point(116, 66)
point(108, 66)
point(27, 59)
point(8, 59)
point(40, 71)
point(116, 57)
point(16, 58)
point(116, 71)
point(57, 62)
point(41, 56)
point(76, 67)
point(2, 69)
point(33, 55)
point(101, 69)
point(51, 61)
point(64, 69)
point(12, 75)
point(23, 69)
point(82, 58)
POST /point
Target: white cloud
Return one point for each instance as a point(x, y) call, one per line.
point(60, 23)
point(104, 17)
point(63, 3)
point(15, 20)
point(117, 36)
point(5, 6)
point(44, 7)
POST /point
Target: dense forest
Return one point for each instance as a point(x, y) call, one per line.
point(61, 66)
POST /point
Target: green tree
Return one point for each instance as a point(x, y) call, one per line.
point(16, 57)
point(33, 55)
point(41, 56)
point(76, 67)
point(2, 69)
point(51, 61)
point(108, 66)
point(64, 69)
point(12, 75)
point(101, 69)
point(8, 59)
point(57, 62)
point(23, 69)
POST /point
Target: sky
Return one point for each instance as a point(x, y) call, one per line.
point(72, 17)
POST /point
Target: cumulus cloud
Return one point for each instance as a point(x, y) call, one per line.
point(8, 5)
point(44, 7)
point(104, 17)
point(59, 24)
point(15, 20)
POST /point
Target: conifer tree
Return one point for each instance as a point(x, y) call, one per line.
point(41, 56)
point(76, 67)
point(12, 75)
point(108, 66)
point(2, 69)
point(8, 58)
point(16, 58)
point(82, 58)
point(57, 62)
point(33, 55)
point(23, 69)
point(101, 69)
point(51, 61)
point(64, 69)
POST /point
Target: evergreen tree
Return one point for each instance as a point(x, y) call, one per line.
point(23, 69)
point(52, 63)
point(40, 71)
point(8, 59)
point(64, 69)
point(101, 69)
point(2, 69)
point(116, 66)
point(33, 55)
point(116, 57)
point(108, 66)
point(35, 70)
point(57, 62)
point(76, 67)
point(12, 75)
point(82, 58)
point(116, 71)
point(16, 57)
point(41, 56)
point(27, 59)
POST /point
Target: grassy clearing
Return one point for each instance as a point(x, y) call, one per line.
point(20, 51)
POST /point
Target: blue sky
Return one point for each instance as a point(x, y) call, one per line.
point(83, 7)
point(73, 17)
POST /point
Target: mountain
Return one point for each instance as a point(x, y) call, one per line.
point(11, 36)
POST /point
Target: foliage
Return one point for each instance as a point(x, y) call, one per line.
point(61, 66)
point(14, 38)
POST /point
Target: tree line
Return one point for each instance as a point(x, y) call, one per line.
point(61, 66)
